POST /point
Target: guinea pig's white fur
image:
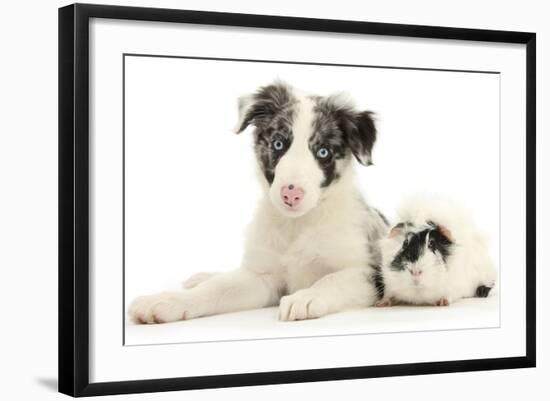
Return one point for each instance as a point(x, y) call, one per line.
point(466, 271)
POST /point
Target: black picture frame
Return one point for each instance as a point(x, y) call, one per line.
point(74, 198)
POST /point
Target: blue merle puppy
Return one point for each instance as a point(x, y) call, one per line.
point(307, 247)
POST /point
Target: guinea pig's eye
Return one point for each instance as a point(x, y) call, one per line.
point(323, 153)
point(278, 145)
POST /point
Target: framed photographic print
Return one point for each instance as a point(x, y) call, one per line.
point(251, 199)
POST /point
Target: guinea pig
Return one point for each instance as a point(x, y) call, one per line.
point(433, 256)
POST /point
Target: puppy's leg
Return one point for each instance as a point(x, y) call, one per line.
point(197, 278)
point(225, 292)
point(345, 289)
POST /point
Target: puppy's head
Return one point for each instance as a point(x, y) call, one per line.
point(304, 143)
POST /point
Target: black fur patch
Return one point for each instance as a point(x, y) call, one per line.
point(358, 127)
point(267, 155)
point(376, 278)
point(342, 131)
point(272, 112)
point(482, 291)
point(361, 135)
point(267, 102)
point(411, 250)
point(439, 242)
point(414, 246)
point(378, 281)
point(327, 134)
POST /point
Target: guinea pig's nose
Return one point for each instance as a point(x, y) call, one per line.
point(416, 273)
point(292, 195)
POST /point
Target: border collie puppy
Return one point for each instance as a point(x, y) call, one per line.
point(307, 248)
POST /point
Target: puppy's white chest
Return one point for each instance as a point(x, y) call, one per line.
point(303, 251)
point(316, 254)
point(304, 266)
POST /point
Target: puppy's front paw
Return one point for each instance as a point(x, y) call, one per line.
point(160, 308)
point(303, 304)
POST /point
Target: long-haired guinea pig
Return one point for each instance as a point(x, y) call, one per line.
point(434, 255)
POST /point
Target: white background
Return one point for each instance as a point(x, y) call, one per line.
point(29, 171)
point(191, 184)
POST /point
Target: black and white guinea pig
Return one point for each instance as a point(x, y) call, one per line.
point(434, 255)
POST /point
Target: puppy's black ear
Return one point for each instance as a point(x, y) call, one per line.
point(245, 107)
point(358, 127)
point(361, 136)
point(259, 108)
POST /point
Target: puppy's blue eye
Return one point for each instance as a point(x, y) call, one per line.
point(322, 153)
point(278, 144)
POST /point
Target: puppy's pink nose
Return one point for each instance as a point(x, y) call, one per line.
point(291, 195)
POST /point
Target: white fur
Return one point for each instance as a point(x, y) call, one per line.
point(316, 258)
point(468, 266)
point(298, 166)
